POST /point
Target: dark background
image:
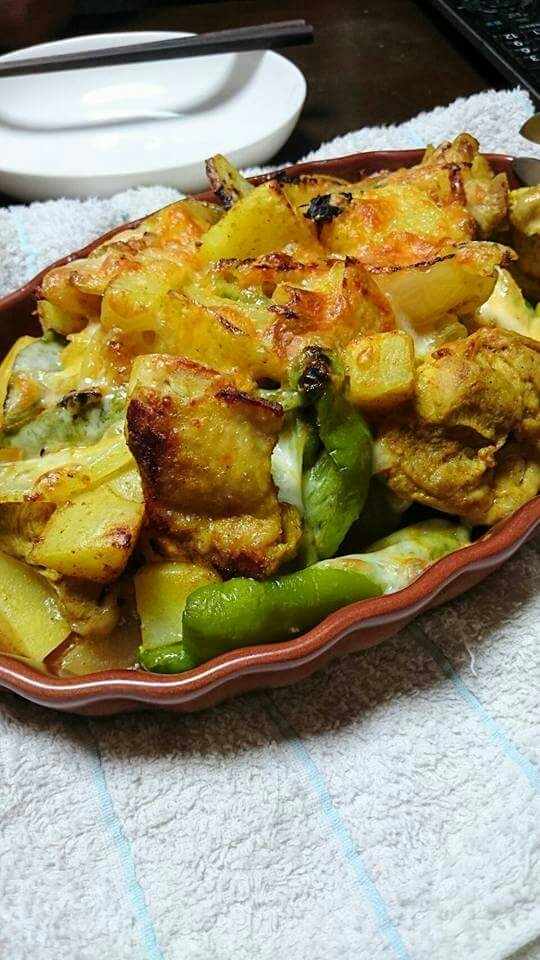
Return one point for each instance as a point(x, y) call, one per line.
point(373, 61)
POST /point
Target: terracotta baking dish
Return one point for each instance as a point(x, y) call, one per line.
point(354, 627)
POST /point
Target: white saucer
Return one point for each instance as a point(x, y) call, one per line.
point(96, 131)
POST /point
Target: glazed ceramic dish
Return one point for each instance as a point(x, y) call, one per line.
point(354, 627)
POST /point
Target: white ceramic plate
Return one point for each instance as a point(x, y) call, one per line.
point(100, 130)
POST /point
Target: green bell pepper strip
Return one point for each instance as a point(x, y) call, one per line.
point(241, 612)
point(323, 469)
point(381, 515)
point(170, 658)
point(335, 488)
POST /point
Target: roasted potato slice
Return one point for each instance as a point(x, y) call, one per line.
point(61, 305)
point(115, 651)
point(71, 294)
point(226, 181)
point(146, 312)
point(92, 535)
point(161, 590)
point(298, 304)
point(399, 218)
point(262, 221)
point(132, 302)
point(222, 336)
point(31, 621)
point(380, 370)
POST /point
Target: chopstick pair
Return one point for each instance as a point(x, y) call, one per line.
point(266, 36)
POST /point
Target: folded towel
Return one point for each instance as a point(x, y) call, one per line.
point(384, 809)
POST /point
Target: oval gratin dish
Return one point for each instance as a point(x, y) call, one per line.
point(355, 627)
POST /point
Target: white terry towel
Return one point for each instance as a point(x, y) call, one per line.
point(384, 809)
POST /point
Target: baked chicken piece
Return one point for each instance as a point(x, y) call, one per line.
point(203, 450)
point(469, 443)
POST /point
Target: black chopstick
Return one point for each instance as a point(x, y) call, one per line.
point(265, 36)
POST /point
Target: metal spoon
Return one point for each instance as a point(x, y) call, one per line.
point(531, 128)
point(528, 170)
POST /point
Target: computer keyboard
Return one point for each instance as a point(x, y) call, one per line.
point(506, 33)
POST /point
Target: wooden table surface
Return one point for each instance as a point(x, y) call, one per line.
point(372, 62)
